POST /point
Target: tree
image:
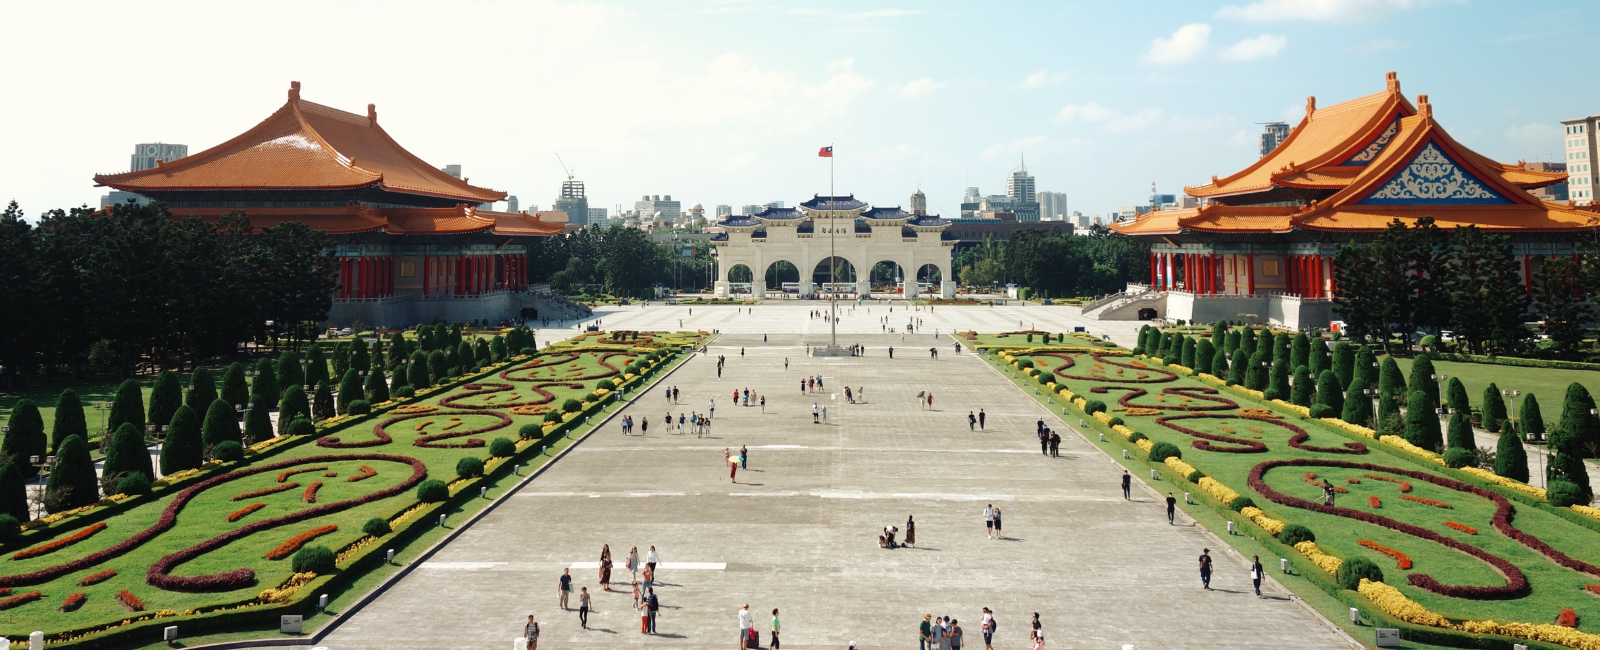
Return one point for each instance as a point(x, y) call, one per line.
point(1247, 342)
point(1373, 289)
point(1344, 358)
point(1266, 342)
point(1578, 425)
point(316, 365)
point(417, 375)
point(438, 367)
point(1259, 373)
point(1235, 338)
point(1357, 408)
point(377, 386)
point(322, 406)
point(265, 386)
point(127, 406)
point(1487, 298)
point(1300, 351)
point(221, 425)
point(70, 420)
point(497, 349)
point(1532, 421)
point(1562, 305)
point(290, 372)
point(24, 438)
point(1278, 386)
point(294, 404)
point(398, 380)
point(1236, 369)
point(481, 353)
point(340, 358)
point(1204, 352)
point(1424, 378)
point(182, 448)
point(72, 483)
point(1392, 394)
point(13, 491)
point(1460, 431)
point(1456, 396)
point(398, 349)
point(1304, 387)
point(1493, 411)
point(126, 455)
point(166, 395)
point(235, 392)
point(1186, 353)
point(465, 357)
point(360, 356)
point(1317, 353)
point(1422, 423)
point(202, 391)
point(1510, 458)
point(1219, 365)
point(349, 390)
point(1328, 393)
point(257, 424)
point(379, 361)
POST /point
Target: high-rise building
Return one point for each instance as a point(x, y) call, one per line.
point(919, 203)
point(597, 217)
point(1558, 192)
point(751, 209)
point(650, 204)
point(724, 211)
point(1020, 190)
point(453, 170)
point(511, 203)
point(1081, 219)
point(1581, 151)
point(1274, 135)
point(1052, 206)
point(574, 202)
point(971, 195)
point(148, 155)
point(775, 204)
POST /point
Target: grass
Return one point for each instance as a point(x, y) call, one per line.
point(1550, 384)
point(205, 516)
point(1554, 587)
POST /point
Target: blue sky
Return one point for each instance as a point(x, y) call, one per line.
point(728, 101)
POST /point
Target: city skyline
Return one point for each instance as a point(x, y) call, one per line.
point(740, 121)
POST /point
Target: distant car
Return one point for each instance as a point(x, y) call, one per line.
point(346, 332)
point(1447, 335)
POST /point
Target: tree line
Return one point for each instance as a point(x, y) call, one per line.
point(130, 285)
point(1347, 383)
point(1468, 281)
point(1056, 264)
point(621, 260)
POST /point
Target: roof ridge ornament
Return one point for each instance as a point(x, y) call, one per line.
point(1423, 107)
point(1392, 79)
point(294, 91)
point(1311, 105)
point(372, 114)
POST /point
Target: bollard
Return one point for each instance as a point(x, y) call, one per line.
point(1190, 501)
point(1102, 437)
point(1518, 646)
point(36, 640)
point(1124, 453)
point(1036, 391)
point(1152, 475)
point(322, 603)
point(517, 469)
point(1355, 616)
point(169, 633)
point(1230, 528)
point(483, 492)
point(389, 557)
point(441, 520)
point(1063, 410)
point(1080, 422)
point(1283, 563)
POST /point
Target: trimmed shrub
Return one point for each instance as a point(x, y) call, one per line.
point(257, 422)
point(1329, 395)
point(1577, 429)
point(438, 367)
point(10, 529)
point(1532, 420)
point(502, 448)
point(1457, 458)
point(127, 406)
point(317, 369)
point(1320, 411)
point(127, 453)
point(266, 385)
point(469, 466)
point(1295, 533)
point(25, 437)
point(234, 389)
point(1422, 424)
point(1093, 406)
point(228, 451)
point(376, 527)
point(1024, 364)
point(182, 448)
point(1493, 409)
point(70, 420)
point(1137, 436)
point(377, 387)
point(1421, 379)
point(1240, 503)
point(530, 431)
point(359, 407)
point(528, 351)
point(316, 559)
point(220, 424)
point(1186, 352)
point(13, 492)
point(1352, 570)
point(417, 376)
point(294, 405)
point(1164, 450)
point(1562, 493)
point(302, 426)
point(322, 406)
point(1460, 432)
point(166, 395)
point(1204, 354)
point(290, 372)
point(1344, 361)
point(1045, 377)
point(405, 392)
point(202, 390)
point(571, 406)
point(349, 391)
point(72, 482)
point(432, 491)
point(1219, 364)
point(1114, 421)
point(134, 484)
point(1510, 458)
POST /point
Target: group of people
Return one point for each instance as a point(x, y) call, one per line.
point(743, 398)
point(976, 420)
point(857, 397)
point(812, 383)
point(749, 637)
point(991, 522)
point(1049, 440)
point(945, 633)
point(819, 411)
point(644, 595)
point(890, 532)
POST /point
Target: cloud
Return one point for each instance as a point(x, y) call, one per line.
point(886, 13)
point(841, 88)
point(1345, 11)
point(1112, 121)
point(1090, 112)
point(1535, 134)
point(916, 87)
point(1264, 46)
point(1185, 44)
point(1041, 78)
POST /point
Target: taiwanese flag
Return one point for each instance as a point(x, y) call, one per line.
point(825, 152)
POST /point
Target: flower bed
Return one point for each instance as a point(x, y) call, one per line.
point(1314, 553)
point(1427, 502)
point(1222, 493)
point(20, 599)
point(97, 578)
point(56, 545)
point(284, 476)
point(244, 512)
point(366, 473)
point(310, 495)
point(1272, 526)
point(1403, 560)
point(73, 602)
point(1462, 527)
point(1405, 486)
point(289, 546)
point(1374, 501)
point(130, 601)
point(265, 491)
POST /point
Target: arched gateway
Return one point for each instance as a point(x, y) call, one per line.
point(800, 241)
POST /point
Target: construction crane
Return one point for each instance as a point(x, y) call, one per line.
point(564, 167)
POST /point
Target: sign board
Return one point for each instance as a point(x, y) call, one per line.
point(289, 624)
point(1388, 637)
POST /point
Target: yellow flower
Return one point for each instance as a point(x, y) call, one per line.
point(1145, 444)
point(1510, 483)
point(1123, 430)
point(1409, 448)
point(1398, 605)
point(1352, 428)
point(1293, 407)
point(1328, 563)
point(1183, 469)
point(1103, 417)
point(1266, 523)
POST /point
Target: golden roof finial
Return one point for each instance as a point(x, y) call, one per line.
point(1423, 107)
point(294, 91)
point(1393, 81)
point(372, 114)
point(1311, 105)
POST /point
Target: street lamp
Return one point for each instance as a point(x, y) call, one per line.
point(1372, 394)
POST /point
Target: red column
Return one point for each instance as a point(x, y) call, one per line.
point(1322, 285)
point(366, 276)
point(1527, 273)
point(1216, 270)
point(1250, 272)
point(461, 275)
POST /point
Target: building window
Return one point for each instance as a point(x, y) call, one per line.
point(408, 269)
point(1269, 268)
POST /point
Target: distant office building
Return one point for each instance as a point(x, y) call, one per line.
point(148, 155)
point(118, 197)
point(650, 204)
point(573, 201)
point(1274, 135)
point(1129, 212)
point(597, 217)
point(1082, 220)
point(511, 203)
point(752, 209)
point(971, 195)
point(1557, 192)
point(1052, 206)
point(453, 170)
point(775, 204)
point(919, 203)
point(1162, 199)
point(1021, 191)
point(724, 211)
point(1581, 151)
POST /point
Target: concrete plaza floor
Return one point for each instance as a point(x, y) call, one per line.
point(798, 531)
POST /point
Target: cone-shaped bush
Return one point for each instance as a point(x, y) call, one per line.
point(438, 367)
point(25, 437)
point(1234, 337)
point(290, 372)
point(166, 395)
point(360, 356)
point(1278, 385)
point(294, 404)
point(257, 425)
point(1219, 364)
point(349, 390)
point(1510, 458)
point(70, 420)
point(1493, 410)
point(1319, 358)
point(1258, 375)
point(1204, 352)
point(1459, 435)
point(417, 374)
point(1392, 393)
point(1422, 378)
point(1186, 353)
point(1577, 425)
point(1304, 388)
point(1422, 423)
point(377, 386)
point(1344, 361)
point(72, 482)
point(182, 449)
point(13, 492)
point(480, 351)
point(1236, 367)
point(340, 358)
point(398, 349)
point(235, 391)
point(202, 391)
point(1300, 351)
point(1247, 342)
point(397, 382)
point(322, 406)
point(127, 454)
point(1456, 396)
point(127, 406)
point(1267, 342)
point(1328, 393)
point(265, 385)
point(379, 359)
point(1357, 408)
point(497, 349)
point(221, 425)
point(1532, 421)
point(316, 366)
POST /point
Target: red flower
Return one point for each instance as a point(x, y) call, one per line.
point(245, 511)
point(130, 601)
point(73, 602)
point(53, 546)
point(310, 495)
point(294, 543)
point(1401, 558)
point(97, 578)
point(1427, 502)
point(265, 491)
point(1374, 501)
point(284, 476)
point(366, 473)
point(20, 599)
point(1462, 527)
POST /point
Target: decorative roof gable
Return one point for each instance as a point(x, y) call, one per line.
point(1431, 177)
point(1370, 152)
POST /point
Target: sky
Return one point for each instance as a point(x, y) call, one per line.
point(728, 101)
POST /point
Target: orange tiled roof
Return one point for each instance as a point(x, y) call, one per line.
point(305, 146)
point(348, 219)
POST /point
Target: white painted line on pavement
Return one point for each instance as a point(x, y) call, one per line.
point(462, 566)
point(664, 566)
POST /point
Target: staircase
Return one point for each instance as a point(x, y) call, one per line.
point(1125, 306)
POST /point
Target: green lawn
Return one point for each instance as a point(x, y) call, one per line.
point(1553, 587)
point(1549, 384)
point(564, 371)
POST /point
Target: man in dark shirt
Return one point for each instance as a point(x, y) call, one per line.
point(566, 586)
point(655, 606)
point(1127, 485)
point(1055, 445)
point(1205, 568)
point(972, 421)
point(1172, 506)
point(981, 418)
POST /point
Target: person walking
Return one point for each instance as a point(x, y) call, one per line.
point(911, 532)
point(583, 608)
point(633, 565)
point(972, 421)
point(644, 611)
point(824, 415)
point(1205, 568)
point(1256, 573)
point(605, 567)
point(941, 633)
point(997, 529)
point(987, 626)
point(649, 579)
point(774, 644)
point(786, 364)
point(1172, 507)
point(925, 633)
point(644, 427)
point(955, 634)
point(733, 468)
point(981, 418)
point(763, 404)
point(930, 400)
point(891, 349)
point(530, 632)
point(815, 413)
point(988, 521)
point(744, 457)
point(1055, 444)
point(650, 559)
point(1127, 486)
point(1044, 439)
point(654, 604)
point(744, 625)
point(711, 409)
point(566, 587)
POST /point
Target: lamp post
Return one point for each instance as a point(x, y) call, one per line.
point(1372, 394)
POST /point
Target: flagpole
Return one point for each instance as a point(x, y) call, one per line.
point(833, 261)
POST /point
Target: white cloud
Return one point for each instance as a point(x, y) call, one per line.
point(1112, 121)
point(1264, 46)
point(1041, 78)
point(1185, 44)
point(1319, 10)
point(841, 88)
point(916, 87)
point(886, 13)
point(1535, 134)
point(1136, 122)
point(1090, 112)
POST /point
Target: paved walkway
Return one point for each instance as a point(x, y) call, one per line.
point(798, 530)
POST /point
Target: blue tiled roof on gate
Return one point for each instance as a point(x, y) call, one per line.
point(780, 213)
point(819, 202)
point(721, 236)
point(738, 221)
point(886, 213)
point(927, 220)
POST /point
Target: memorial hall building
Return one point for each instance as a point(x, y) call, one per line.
point(1263, 239)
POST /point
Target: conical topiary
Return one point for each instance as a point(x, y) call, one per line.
point(1344, 361)
point(1422, 423)
point(1493, 410)
point(127, 455)
point(294, 403)
point(202, 391)
point(1460, 432)
point(1510, 458)
point(322, 406)
point(1304, 388)
point(166, 395)
point(360, 356)
point(127, 407)
point(316, 365)
point(417, 374)
point(377, 386)
point(1278, 384)
point(290, 372)
point(221, 424)
point(1424, 378)
point(14, 492)
point(1456, 396)
point(235, 390)
point(265, 386)
point(1392, 394)
point(182, 449)
point(349, 390)
point(1531, 423)
point(438, 367)
point(24, 438)
point(1328, 393)
point(1203, 354)
point(1578, 424)
point(1357, 407)
point(1259, 374)
point(1219, 364)
point(70, 420)
point(1319, 359)
point(72, 482)
point(257, 425)
point(1300, 351)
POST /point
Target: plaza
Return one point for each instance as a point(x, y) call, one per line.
point(798, 530)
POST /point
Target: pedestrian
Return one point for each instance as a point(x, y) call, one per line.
point(1256, 573)
point(638, 598)
point(987, 627)
point(633, 565)
point(981, 417)
point(988, 521)
point(824, 415)
point(774, 644)
point(1038, 640)
point(733, 469)
point(605, 567)
point(891, 348)
point(955, 634)
point(1172, 506)
point(530, 631)
point(972, 421)
point(566, 587)
point(911, 532)
point(1037, 629)
point(651, 559)
point(644, 426)
point(1044, 439)
point(942, 632)
point(583, 608)
point(744, 625)
point(654, 604)
point(763, 404)
point(744, 457)
point(644, 611)
point(930, 400)
point(786, 364)
point(925, 632)
point(649, 579)
point(815, 413)
point(711, 409)
point(1055, 444)
point(1205, 568)
point(1127, 485)
point(997, 532)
